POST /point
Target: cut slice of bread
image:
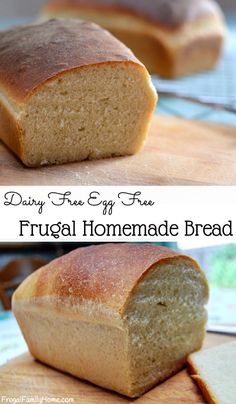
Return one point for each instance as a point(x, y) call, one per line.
point(214, 370)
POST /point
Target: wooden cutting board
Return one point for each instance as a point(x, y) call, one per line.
point(177, 152)
point(24, 376)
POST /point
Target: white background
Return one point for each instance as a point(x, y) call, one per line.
point(176, 204)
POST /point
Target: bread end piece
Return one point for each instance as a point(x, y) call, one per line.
point(214, 371)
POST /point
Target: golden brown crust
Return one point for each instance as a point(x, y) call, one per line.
point(167, 13)
point(161, 60)
point(207, 394)
point(105, 274)
point(11, 131)
point(31, 55)
point(200, 54)
point(155, 56)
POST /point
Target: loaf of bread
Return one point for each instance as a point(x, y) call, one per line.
point(123, 316)
point(214, 370)
point(70, 91)
point(171, 37)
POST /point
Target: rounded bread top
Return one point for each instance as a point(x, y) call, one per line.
point(104, 274)
point(170, 14)
point(30, 55)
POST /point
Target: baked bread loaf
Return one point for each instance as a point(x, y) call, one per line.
point(171, 37)
point(123, 316)
point(214, 370)
point(70, 91)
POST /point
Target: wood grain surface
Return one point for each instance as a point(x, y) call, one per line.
point(24, 376)
point(177, 152)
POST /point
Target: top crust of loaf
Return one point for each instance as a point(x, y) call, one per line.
point(105, 274)
point(170, 14)
point(33, 54)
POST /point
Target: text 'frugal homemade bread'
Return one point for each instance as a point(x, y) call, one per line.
point(171, 37)
point(123, 316)
point(214, 370)
point(70, 91)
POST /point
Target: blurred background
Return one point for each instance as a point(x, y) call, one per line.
point(17, 261)
point(28, 8)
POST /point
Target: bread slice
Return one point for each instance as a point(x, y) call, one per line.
point(172, 38)
point(70, 91)
point(214, 370)
point(123, 316)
